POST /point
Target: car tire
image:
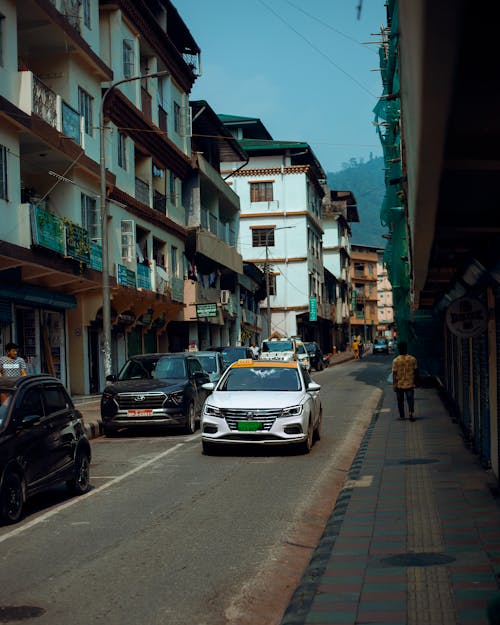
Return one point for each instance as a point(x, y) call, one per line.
point(208, 448)
point(190, 419)
point(317, 429)
point(79, 483)
point(306, 446)
point(12, 498)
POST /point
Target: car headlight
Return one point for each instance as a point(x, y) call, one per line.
point(212, 411)
point(176, 398)
point(293, 411)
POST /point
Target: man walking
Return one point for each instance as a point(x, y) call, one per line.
point(12, 365)
point(404, 375)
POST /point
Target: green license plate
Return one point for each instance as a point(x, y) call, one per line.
point(249, 426)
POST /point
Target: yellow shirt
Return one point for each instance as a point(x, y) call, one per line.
point(403, 368)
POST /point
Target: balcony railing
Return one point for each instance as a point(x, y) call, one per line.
point(36, 98)
point(142, 191)
point(160, 202)
point(162, 119)
point(146, 103)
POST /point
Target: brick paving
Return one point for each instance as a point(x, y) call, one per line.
point(414, 537)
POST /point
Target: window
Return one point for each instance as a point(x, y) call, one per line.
point(91, 217)
point(122, 151)
point(177, 117)
point(262, 237)
point(85, 105)
point(128, 58)
point(173, 261)
point(86, 13)
point(272, 284)
point(3, 173)
point(55, 399)
point(128, 251)
point(261, 192)
point(2, 34)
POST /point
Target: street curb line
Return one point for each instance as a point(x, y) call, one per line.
point(303, 596)
point(93, 429)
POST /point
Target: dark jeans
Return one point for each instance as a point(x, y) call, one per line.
point(410, 397)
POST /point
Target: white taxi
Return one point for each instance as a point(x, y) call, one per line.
point(262, 402)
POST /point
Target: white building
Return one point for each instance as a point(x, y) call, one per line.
point(281, 226)
point(384, 299)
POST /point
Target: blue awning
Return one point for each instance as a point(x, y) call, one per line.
point(37, 296)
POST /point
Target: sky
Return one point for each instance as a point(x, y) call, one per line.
point(305, 69)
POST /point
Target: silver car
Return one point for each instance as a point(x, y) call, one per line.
point(213, 364)
point(262, 402)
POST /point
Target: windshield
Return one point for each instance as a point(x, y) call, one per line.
point(170, 368)
point(209, 363)
point(311, 347)
point(5, 399)
point(277, 346)
point(137, 369)
point(261, 379)
point(231, 354)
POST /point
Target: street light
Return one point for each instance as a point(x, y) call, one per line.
point(106, 295)
point(268, 232)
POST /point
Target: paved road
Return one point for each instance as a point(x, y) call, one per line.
point(168, 536)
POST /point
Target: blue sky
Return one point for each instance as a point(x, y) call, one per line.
point(303, 68)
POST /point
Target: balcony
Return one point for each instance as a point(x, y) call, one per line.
point(142, 191)
point(36, 98)
point(226, 255)
point(146, 104)
point(160, 202)
point(163, 120)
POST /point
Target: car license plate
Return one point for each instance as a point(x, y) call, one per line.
point(249, 426)
point(145, 412)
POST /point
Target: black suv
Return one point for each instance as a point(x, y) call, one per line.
point(155, 389)
point(42, 441)
point(315, 356)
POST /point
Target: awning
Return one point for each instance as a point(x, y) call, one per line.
point(42, 297)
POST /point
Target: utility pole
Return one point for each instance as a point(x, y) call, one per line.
point(106, 294)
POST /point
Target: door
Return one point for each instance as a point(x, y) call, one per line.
point(59, 416)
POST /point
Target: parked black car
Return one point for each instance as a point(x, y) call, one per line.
point(154, 390)
point(42, 441)
point(315, 355)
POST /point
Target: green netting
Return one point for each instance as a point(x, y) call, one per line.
point(392, 212)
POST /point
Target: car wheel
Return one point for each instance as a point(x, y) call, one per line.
point(190, 419)
point(208, 448)
point(306, 446)
point(79, 484)
point(317, 429)
point(12, 498)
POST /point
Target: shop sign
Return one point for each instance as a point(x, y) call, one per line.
point(95, 256)
point(313, 309)
point(77, 243)
point(47, 230)
point(143, 277)
point(206, 310)
point(125, 276)
point(467, 317)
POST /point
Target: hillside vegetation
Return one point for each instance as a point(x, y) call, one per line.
point(366, 180)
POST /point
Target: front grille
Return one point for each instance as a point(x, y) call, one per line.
point(131, 401)
point(266, 417)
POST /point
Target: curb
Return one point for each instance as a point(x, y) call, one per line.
point(93, 429)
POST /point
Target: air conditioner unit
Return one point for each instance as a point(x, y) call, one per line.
point(224, 296)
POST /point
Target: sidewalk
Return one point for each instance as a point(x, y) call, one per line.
point(89, 405)
point(414, 537)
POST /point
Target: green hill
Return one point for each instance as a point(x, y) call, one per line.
point(366, 180)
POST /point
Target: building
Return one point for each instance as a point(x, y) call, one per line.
point(55, 80)
point(339, 209)
point(281, 227)
point(364, 316)
point(385, 315)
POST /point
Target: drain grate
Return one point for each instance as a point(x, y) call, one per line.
point(417, 559)
point(10, 613)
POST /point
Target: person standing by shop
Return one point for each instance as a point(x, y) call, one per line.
point(12, 365)
point(404, 376)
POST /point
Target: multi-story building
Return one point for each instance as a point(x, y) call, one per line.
point(384, 299)
point(364, 317)
point(219, 292)
point(52, 80)
point(281, 227)
point(339, 210)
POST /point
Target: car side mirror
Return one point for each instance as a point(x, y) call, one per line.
point(111, 378)
point(208, 386)
point(313, 386)
point(30, 420)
